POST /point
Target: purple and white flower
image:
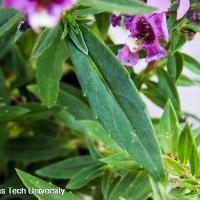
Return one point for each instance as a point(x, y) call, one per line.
point(41, 13)
point(147, 31)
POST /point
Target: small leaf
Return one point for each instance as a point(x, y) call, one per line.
point(191, 63)
point(78, 40)
point(121, 161)
point(84, 176)
point(174, 167)
point(45, 40)
point(195, 162)
point(185, 145)
point(169, 130)
point(175, 65)
point(49, 71)
point(32, 182)
point(168, 89)
point(178, 39)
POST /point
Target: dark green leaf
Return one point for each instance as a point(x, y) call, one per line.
point(127, 7)
point(66, 168)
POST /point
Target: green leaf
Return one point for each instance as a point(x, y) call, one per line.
point(20, 149)
point(191, 184)
point(159, 190)
point(49, 71)
point(45, 40)
point(95, 129)
point(168, 89)
point(8, 113)
point(185, 144)
point(115, 100)
point(154, 94)
point(174, 167)
point(4, 94)
point(105, 183)
point(86, 11)
point(186, 81)
point(121, 161)
point(126, 7)
point(195, 161)
point(34, 182)
point(175, 65)
point(121, 186)
point(77, 38)
point(178, 39)
point(84, 176)
point(66, 168)
point(169, 130)
point(8, 18)
point(140, 188)
point(191, 63)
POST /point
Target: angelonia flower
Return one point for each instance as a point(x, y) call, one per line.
point(41, 13)
point(164, 5)
point(146, 31)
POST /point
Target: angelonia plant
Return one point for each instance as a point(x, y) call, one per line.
point(73, 122)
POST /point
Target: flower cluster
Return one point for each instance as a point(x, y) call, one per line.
point(146, 31)
point(41, 13)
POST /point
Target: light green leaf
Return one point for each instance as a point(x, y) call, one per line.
point(169, 130)
point(174, 167)
point(34, 182)
point(185, 144)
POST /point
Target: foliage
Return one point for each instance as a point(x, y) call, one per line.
point(73, 115)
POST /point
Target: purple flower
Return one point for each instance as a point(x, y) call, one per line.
point(115, 20)
point(147, 30)
point(41, 13)
point(163, 5)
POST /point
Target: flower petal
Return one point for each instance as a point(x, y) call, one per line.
point(158, 22)
point(127, 57)
point(163, 5)
point(184, 6)
point(155, 52)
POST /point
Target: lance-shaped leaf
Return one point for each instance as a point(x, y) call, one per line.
point(169, 129)
point(128, 6)
point(33, 182)
point(115, 99)
point(185, 144)
point(49, 71)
